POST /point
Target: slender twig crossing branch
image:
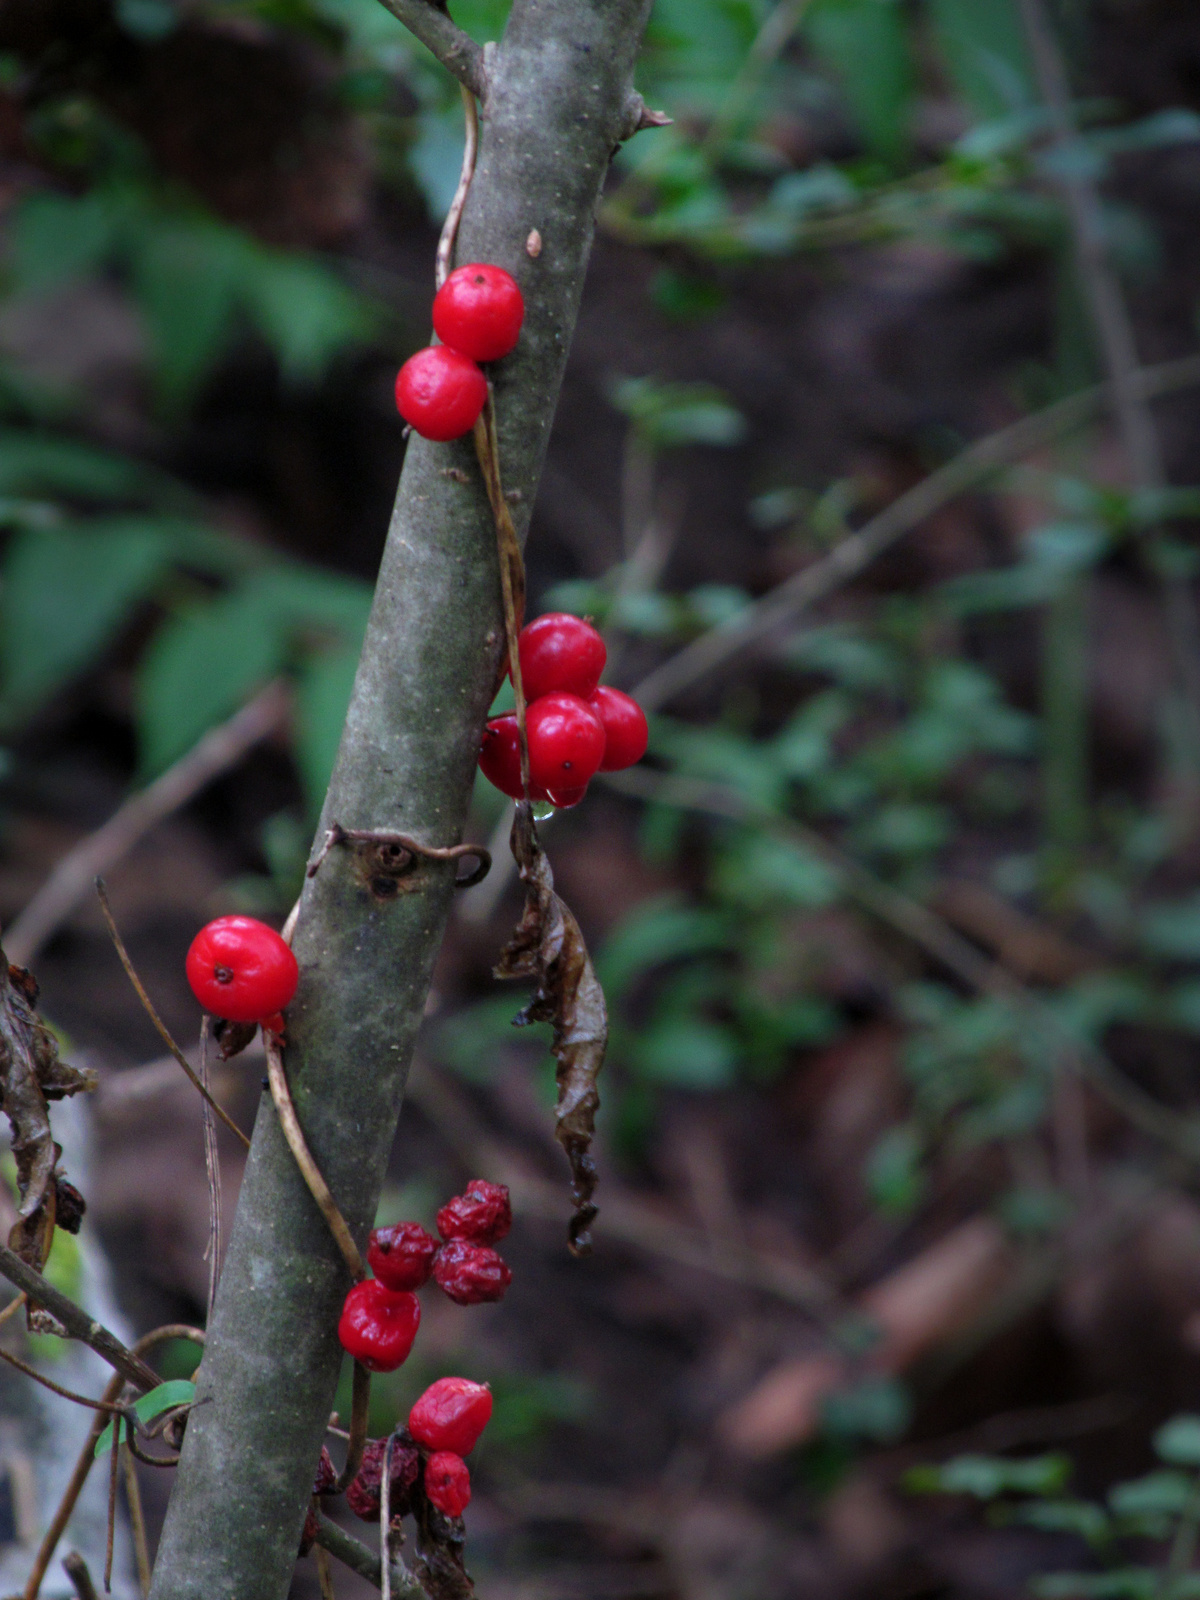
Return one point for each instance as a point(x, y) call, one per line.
point(456, 50)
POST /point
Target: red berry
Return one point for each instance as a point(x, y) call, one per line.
point(479, 310)
point(402, 1256)
point(451, 1415)
point(564, 799)
point(363, 1496)
point(566, 741)
point(241, 970)
point(482, 1215)
point(440, 393)
point(626, 733)
point(448, 1483)
point(471, 1274)
point(559, 651)
point(500, 759)
point(378, 1325)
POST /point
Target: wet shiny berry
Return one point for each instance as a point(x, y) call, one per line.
point(566, 741)
point(500, 759)
point(378, 1325)
point(626, 733)
point(482, 1215)
point(241, 970)
point(402, 1256)
point(479, 311)
point(559, 651)
point(448, 1483)
point(471, 1274)
point(440, 393)
point(451, 1415)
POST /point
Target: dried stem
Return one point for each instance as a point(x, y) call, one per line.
point(445, 249)
point(219, 750)
point(13, 1307)
point(76, 1568)
point(112, 1504)
point(56, 1388)
point(335, 834)
point(212, 1168)
point(83, 1466)
point(160, 1025)
point(309, 1170)
point(967, 470)
point(324, 1572)
point(512, 566)
point(360, 1409)
point(385, 1521)
point(137, 1522)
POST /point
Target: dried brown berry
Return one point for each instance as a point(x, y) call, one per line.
point(483, 1215)
point(471, 1273)
point(308, 1535)
point(69, 1205)
point(363, 1496)
point(326, 1476)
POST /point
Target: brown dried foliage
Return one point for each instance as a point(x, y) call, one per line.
point(548, 947)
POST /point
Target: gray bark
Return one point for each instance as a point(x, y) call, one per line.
point(558, 86)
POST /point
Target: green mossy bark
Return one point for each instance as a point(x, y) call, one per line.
point(557, 104)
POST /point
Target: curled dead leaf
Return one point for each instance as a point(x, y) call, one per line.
point(548, 947)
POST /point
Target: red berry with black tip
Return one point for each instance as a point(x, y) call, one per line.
point(626, 731)
point(500, 759)
point(481, 1215)
point(402, 1256)
point(440, 393)
point(448, 1483)
point(566, 741)
point(451, 1415)
point(479, 311)
point(241, 970)
point(471, 1274)
point(364, 1495)
point(378, 1325)
point(559, 651)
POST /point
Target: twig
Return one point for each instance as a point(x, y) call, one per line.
point(159, 1024)
point(75, 1320)
point(324, 1572)
point(212, 1167)
point(12, 1308)
point(336, 835)
point(219, 750)
point(309, 1170)
point(926, 929)
point(57, 1388)
point(456, 50)
point(445, 249)
point(137, 1521)
point(512, 565)
point(112, 1504)
point(385, 1522)
point(355, 1555)
point(360, 1413)
point(76, 1568)
point(83, 1466)
point(969, 468)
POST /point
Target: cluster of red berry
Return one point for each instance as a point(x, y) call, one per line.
point(242, 971)
point(477, 314)
point(574, 728)
point(443, 1427)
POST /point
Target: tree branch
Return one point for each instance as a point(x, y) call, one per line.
point(456, 50)
point(557, 85)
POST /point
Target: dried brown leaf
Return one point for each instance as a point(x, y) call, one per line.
point(548, 947)
point(30, 1075)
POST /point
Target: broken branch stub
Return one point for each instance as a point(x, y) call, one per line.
point(547, 946)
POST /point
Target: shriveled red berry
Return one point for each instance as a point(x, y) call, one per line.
point(471, 1274)
point(479, 310)
point(626, 732)
point(566, 741)
point(448, 1483)
point(500, 759)
point(241, 970)
point(378, 1325)
point(482, 1215)
point(326, 1475)
point(451, 1415)
point(363, 1495)
point(559, 651)
point(402, 1256)
point(440, 393)
point(308, 1534)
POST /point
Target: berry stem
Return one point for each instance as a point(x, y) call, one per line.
point(360, 1405)
point(449, 234)
point(309, 1171)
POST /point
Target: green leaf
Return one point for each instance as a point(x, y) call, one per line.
point(66, 591)
point(303, 311)
point(187, 273)
point(201, 665)
point(894, 1177)
point(1178, 1441)
point(686, 1053)
point(657, 932)
point(669, 414)
point(47, 463)
point(985, 1477)
point(1159, 1494)
point(865, 42)
point(175, 1392)
point(1127, 1583)
point(983, 46)
point(878, 1409)
point(56, 237)
point(1172, 929)
point(1080, 1517)
point(323, 695)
